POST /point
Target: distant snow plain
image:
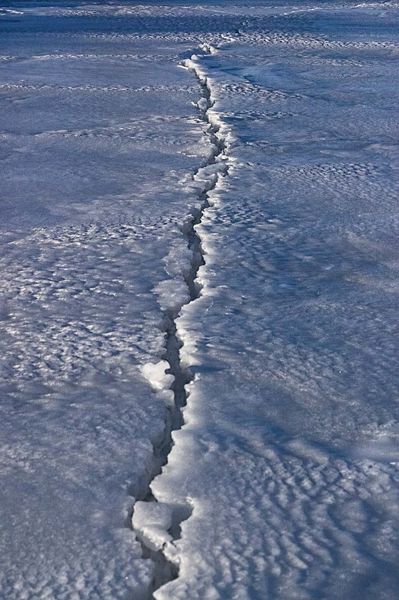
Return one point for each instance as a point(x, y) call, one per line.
point(137, 142)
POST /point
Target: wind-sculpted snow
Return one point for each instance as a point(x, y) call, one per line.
point(292, 421)
point(96, 147)
point(199, 206)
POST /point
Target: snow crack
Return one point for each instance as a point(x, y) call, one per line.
point(157, 524)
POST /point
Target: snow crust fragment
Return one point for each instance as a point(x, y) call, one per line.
point(152, 520)
point(157, 375)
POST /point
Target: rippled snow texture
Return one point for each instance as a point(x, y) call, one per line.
point(98, 135)
point(292, 421)
point(289, 452)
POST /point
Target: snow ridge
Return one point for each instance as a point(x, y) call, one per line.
point(156, 523)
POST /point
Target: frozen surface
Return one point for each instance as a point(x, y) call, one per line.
point(288, 456)
point(292, 421)
point(98, 134)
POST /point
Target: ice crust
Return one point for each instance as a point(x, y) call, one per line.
point(98, 130)
point(291, 420)
point(288, 457)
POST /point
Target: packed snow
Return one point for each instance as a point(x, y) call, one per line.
point(221, 176)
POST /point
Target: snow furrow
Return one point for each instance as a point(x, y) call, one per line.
point(157, 524)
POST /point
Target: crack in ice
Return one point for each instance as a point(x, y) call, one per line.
point(157, 524)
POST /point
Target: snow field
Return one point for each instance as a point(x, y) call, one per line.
point(89, 244)
point(224, 236)
point(291, 416)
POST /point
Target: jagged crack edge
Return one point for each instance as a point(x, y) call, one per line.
point(164, 569)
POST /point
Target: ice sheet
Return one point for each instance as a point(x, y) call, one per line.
point(281, 131)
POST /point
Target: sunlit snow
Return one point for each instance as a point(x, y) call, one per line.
point(139, 141)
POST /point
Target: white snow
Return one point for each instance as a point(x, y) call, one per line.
point(97, 132)
point(153, 520)
point(157, 375)
point(291, 420)
point(281, 130)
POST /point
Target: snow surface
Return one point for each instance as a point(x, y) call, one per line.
point(98, 134)
point(287, 462)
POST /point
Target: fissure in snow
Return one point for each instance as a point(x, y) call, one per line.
point(157, 524)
